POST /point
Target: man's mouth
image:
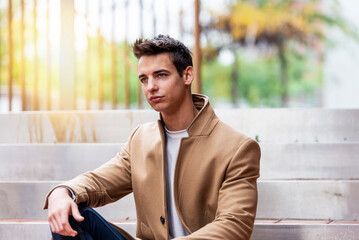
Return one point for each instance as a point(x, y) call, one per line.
point(156, 98)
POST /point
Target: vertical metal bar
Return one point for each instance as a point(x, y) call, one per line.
point(141, 17)
point(100, 59)
point(181, 29)
point(126, 72)
point(139, 85)
point(10, 54)
point(36, 74)
point(127, 79)
point(167, 19)
point(0, 57)
point(75, 65)
point(87, 65)
point(154, 19)
point(48, 49)
point(22, 56)
point(114, 60)
point(67, 56)
point(197, 49)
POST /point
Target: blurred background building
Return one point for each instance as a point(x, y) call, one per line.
point(75, 54)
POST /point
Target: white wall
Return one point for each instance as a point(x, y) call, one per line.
point(341, 68)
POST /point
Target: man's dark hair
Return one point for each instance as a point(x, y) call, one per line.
point(179, 54)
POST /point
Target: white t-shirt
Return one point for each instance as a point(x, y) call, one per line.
point(176, 228)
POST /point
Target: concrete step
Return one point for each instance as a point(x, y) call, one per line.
point(305, 230)
point(40, 230)
point(308, 199)
point(25, 200)
point(60, 162)
point(269, 125)
point(309, 161)
point(52, 162)
point(71, 126)
point(263, 230)
point(295, 199)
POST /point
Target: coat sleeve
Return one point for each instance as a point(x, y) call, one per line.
point(106, 184)
point(237, 201)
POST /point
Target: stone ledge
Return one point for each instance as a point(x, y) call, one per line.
point(263, 229)
point(270, 125)
point(284, 199)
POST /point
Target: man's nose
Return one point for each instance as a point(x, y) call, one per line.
point(151, 85)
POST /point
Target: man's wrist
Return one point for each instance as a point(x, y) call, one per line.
point(71, 193)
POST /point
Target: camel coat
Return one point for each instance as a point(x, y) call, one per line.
point(215, 182)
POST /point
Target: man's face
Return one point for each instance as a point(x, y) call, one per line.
point(163, 87)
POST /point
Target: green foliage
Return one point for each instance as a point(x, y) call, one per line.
point(294, 30)
point(259, 84)
point(215, 79)
point(305, 73)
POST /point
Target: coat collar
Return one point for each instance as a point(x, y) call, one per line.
point(205, 120)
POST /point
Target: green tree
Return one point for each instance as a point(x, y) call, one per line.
point(277, 24)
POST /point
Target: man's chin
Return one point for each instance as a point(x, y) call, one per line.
point(156, 107)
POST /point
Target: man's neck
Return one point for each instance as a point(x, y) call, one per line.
point(181, 119)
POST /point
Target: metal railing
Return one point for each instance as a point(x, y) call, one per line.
point(74, 54)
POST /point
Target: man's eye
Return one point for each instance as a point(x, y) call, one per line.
point(161, 75)
point(143, 80)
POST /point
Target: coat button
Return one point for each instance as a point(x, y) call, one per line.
point(162, 219)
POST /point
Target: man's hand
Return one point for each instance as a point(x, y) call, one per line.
point(60, 207)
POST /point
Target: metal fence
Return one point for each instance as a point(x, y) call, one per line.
point(75, 54)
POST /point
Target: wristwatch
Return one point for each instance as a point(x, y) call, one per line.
point(72, 194)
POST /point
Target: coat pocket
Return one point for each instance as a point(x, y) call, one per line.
point(146, 231)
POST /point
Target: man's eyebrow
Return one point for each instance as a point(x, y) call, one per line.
point(155, 72)
point(161, 70)
point(141, 75)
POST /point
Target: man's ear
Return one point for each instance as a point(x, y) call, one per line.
point(188, 75)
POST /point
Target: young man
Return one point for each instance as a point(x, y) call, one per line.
point(192, 176)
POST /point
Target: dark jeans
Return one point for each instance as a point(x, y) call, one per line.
point(94, 227)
